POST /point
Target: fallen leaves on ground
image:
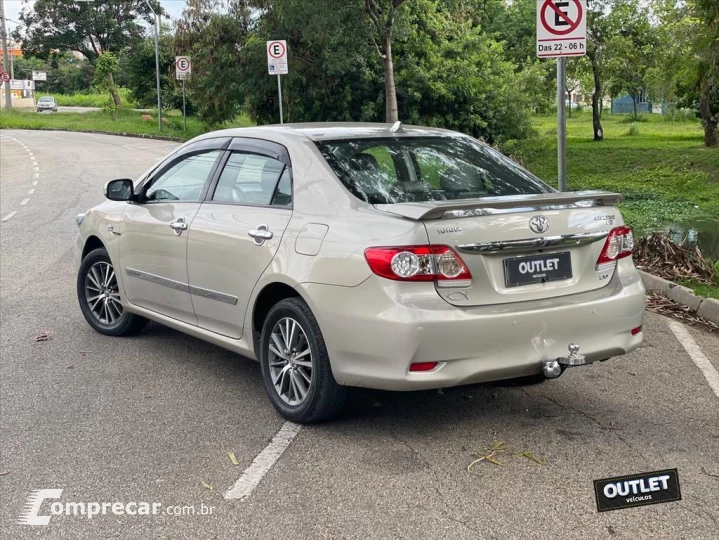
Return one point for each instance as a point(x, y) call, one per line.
point(207, 486)
point(664, 306)
point(659, 255)
point(500, 448)
point(232, 457)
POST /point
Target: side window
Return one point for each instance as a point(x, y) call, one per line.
point(248, 179)
point(283, 193)
point(184, 180)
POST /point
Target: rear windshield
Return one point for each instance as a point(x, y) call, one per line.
point(395, 170)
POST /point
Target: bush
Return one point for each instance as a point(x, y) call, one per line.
point(676, 114)
point(633, 131)
point(95, 99)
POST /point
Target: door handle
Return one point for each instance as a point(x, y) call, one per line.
point(260, 234)
point(178, 226)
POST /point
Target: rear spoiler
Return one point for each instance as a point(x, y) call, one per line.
point(485, 205)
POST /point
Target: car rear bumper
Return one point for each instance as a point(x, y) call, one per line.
point(374, 331)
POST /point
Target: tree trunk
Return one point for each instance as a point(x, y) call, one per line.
point(114, 94)
point(597, 103)
point(391, 114)
point(634, 104)
point(709, 121)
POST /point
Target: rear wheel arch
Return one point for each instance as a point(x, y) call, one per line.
point(268, 297)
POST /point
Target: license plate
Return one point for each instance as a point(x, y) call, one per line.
point(537, 269)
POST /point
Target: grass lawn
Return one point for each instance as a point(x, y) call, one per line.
point(662, 168)
point(126, 121)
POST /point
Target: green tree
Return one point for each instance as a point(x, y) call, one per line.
point(106, 67)
point(137, 65)
point(216, 35)
point(383, 14)
point(632, 49)
point(92, 27)
point(689, 69)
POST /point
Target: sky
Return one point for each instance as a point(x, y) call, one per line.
point(13, 8)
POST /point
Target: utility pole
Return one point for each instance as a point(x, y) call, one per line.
point(5, 61)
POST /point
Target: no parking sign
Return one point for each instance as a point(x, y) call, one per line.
point(561, 28)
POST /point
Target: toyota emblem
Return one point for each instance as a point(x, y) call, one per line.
point(539, 224)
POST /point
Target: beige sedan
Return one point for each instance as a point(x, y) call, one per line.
point(371, 255)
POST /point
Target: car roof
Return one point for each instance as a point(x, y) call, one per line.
point(319, 131)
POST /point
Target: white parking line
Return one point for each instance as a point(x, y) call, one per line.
point(24, 202)
point(11, 214)
point(697, 355)
point(263, 462)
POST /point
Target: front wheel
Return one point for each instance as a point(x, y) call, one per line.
point(295, 365)
point(99, 297)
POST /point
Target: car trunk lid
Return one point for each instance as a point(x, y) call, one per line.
point(509, 260)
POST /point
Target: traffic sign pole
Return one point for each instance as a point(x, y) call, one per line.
point(561, 126)
point(277, 65)
point(184, 111)
point(561, 32)
point(279, 92)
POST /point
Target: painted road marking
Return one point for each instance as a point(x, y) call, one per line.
point(264, 461)
point(11, 214)
point(30, 192)
point(697, 355)
point(36, 175)
point(36, 169)
point(34, 183)
point(24, 202)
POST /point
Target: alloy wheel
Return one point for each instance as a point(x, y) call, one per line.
point(290, 361)
point(102, 293)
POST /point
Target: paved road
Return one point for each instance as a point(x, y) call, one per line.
point(150, 418)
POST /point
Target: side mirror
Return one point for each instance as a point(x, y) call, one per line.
point(119, 190)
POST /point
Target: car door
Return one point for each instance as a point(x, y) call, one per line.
point(153, 236)
point(237, 231)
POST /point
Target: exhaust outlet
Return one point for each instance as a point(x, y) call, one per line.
point(551, 369)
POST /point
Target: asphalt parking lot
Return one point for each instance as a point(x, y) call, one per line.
point(152, 418)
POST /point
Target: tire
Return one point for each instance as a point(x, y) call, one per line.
point(105, 314)
point(323, 397)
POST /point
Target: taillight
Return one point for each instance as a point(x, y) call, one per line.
point(619, 244)
point(419, 263)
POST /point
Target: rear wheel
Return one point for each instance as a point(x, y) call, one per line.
point(295, 365)
point(99, 296)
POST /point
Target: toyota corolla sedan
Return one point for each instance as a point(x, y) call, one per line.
point(371, 255)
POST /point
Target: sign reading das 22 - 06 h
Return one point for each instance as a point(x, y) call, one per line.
point(561, 28)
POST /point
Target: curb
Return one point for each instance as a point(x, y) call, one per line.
point(117, 133)
point(708, 308)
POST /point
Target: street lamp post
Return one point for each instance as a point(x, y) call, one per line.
point(157, 64)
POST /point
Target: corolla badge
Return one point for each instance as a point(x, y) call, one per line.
point(539, 224)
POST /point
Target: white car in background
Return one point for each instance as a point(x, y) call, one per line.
point(46, 103)
point(390, 257)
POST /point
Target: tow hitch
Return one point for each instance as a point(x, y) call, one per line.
point(554, 368)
